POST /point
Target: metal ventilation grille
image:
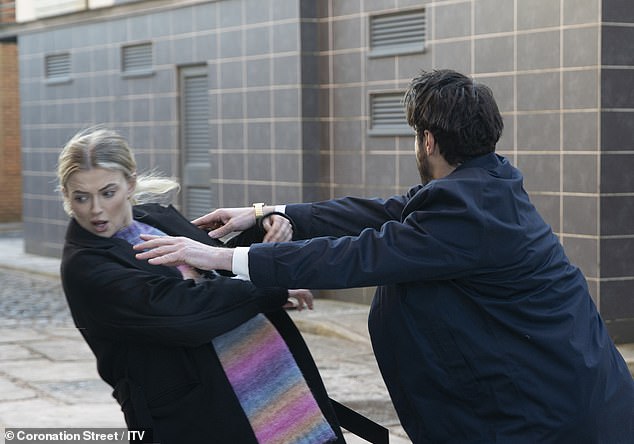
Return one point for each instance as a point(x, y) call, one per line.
point(198, 202)
point(58, 66)
point(196, 119)
point(395, 33)
point(136, 57)
point(387, 115)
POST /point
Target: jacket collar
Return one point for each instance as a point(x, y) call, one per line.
point(165, 218)
point(495, 164)
point(490, 161)
point(77, 235)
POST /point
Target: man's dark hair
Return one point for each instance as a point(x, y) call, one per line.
point(460, 113)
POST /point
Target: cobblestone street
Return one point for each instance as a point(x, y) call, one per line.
point(48, 376)
point(31, 300)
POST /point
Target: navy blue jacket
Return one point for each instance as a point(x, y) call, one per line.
point(483, 330)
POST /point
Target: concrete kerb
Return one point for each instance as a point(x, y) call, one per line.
point(14, 258)
point(325, 328)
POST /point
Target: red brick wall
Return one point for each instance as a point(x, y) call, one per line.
point(10, 156)
point(7, 11)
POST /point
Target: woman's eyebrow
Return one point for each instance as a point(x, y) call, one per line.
point(110, 185)
point(104, 188)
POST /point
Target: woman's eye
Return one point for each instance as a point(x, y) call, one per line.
point(80, 199)
point(108, 193)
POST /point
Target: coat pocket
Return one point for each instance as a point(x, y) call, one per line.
point(168, 376)
point(461, 376)
point(178, 399)
point(130, 397)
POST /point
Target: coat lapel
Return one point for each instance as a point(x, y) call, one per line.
point(166, 219)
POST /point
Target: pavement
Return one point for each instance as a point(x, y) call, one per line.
point(48, 376)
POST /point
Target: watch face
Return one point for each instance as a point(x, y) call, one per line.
point(259, 209)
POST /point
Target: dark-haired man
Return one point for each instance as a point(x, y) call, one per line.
point(483, 330)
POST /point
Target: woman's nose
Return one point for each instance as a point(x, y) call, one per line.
point(96, 206)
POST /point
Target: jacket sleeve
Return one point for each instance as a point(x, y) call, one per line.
point(440, 238)
point(346, 216)
point(120, 302)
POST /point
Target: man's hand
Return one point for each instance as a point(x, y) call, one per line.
point(226, 220)
point(277, 229)
point(174, 251)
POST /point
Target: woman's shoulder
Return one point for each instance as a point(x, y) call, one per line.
point(80, 258)
point(155, 210)
point(85, 254)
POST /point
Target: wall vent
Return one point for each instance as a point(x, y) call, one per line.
point(136, 58)
point(57, 66)
point(387, 115)
point(397, 33)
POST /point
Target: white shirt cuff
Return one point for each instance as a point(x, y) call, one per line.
point(240, 263)
point(280, 208)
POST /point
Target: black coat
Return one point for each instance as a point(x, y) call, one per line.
point(150, 331)
point(483, 329)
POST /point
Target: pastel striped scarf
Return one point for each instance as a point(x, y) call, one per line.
point(270, 386)
point(132, 233)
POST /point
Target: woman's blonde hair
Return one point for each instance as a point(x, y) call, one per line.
point(99, 147)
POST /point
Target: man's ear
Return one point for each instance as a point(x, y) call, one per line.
point(430, 142)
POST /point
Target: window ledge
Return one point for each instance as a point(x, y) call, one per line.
point(396, 50)
point(58, 80)
point(137, 73)
point(395, 131)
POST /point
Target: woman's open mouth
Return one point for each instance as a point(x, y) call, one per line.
point(100, 225)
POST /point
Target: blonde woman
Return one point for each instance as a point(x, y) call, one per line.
point(194, 356)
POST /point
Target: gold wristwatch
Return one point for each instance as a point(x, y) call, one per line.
point(259, 211)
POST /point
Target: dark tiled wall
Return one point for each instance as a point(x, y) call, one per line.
point(253, 55)
point(617, 161)
point(289, 86)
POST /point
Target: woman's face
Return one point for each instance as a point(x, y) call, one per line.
point(99, 200)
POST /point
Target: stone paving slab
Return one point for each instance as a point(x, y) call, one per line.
point(9, 352)
point(10, 335)
point(352, 377)
point(42, 370)
point(52, 413)
point(64, 349)
point(78, 391)
point(10, 391)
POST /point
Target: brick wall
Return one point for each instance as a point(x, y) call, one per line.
point(10, 164)
point(7, 11)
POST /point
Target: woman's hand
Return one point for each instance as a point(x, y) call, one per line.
point(224, 221)
point(303, 297)
point(174, 251)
